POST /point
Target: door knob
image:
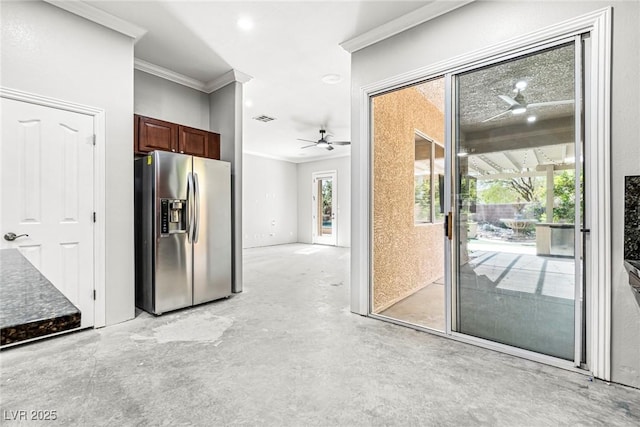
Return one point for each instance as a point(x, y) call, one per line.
point(12, 236)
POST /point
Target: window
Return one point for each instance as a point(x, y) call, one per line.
point(428, 177)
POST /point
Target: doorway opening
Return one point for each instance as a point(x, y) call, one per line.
point(477, 202)
point(324, 208)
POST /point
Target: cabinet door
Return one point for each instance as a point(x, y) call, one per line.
point(156, 135)
point(193, 141)
point(213, 148)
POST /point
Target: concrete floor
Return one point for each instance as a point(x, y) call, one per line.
point(287, 352)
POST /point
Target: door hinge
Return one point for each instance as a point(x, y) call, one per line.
point(94, 217)
point(94, 139)
point(94, 294)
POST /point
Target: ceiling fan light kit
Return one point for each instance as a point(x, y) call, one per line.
point(323, 142)
point(518, 105)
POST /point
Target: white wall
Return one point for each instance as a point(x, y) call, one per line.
point(481, 24)
point(50, 52)
point(343, 167)
point(165, 100)
point(270, 200)
point(225, 108)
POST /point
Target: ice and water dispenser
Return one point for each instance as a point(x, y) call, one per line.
point(173, 216)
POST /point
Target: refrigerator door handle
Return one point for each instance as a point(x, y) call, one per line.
point(196, 228)
point(190, 193)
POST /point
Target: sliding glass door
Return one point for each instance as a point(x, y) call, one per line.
point(517, 200)
point(477, 203)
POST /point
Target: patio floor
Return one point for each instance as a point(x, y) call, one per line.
point(506, 294)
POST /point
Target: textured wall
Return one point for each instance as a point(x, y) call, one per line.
point(406, 256)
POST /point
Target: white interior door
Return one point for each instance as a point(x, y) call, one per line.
point(324, 208)
point(48, 193)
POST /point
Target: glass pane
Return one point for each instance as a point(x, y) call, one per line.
point(422, 180)
point(438, 181)
point(516, 202)
point(326, 215)
point(408, 248)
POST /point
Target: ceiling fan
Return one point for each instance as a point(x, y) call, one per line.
point(323, 142)
point(518, 105)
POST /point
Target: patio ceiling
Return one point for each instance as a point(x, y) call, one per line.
point(499, 143)
point(526, 162)
point(508, 145)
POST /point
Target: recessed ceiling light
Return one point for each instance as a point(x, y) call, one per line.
point(245, 23)
point(332, 79)
point(531, 119)
point(521, 85)
point(248, 103)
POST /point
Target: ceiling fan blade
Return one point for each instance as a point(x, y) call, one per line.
point(306, 140)
point(542, 104)
point(508, 100)
point(307, 146)
point(330, 148)
point(496, 116)
point(340, 142)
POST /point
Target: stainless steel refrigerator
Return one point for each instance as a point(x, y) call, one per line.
point(182, 231)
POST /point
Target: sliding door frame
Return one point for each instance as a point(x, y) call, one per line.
point(597, 109)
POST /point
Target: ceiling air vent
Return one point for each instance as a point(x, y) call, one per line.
point(263, 118)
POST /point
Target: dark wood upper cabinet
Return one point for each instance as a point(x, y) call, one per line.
point(193, 141)
point(153, 134)
point(157, 135)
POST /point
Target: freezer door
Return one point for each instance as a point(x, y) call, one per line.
point(212, 231)
point(174, 252)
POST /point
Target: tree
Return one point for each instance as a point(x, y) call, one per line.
point(422, 197)
point(525, 187)
point(496, 191)
point(326, 196)
point(564, 196)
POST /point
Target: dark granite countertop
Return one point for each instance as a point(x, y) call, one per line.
point(632, 266)
point(30, 301)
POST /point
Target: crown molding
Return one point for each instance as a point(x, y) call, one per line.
point(215, 84)
point(167, 74)
point(228, 77)
point(101, 17)
point(403, 23)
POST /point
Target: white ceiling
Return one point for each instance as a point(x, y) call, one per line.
point(291, 46)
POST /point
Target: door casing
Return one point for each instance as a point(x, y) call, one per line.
point(597, 109)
